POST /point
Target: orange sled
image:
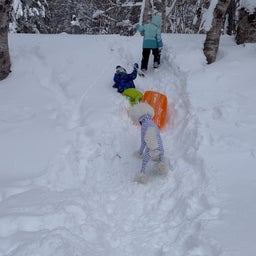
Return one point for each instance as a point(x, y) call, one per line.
point(159, 102)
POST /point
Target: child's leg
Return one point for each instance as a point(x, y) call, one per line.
point(145, 160)
point(133, 94)
point(145, 58)
point(156, 54)
point(161, 166)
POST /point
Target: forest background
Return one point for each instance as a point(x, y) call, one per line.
point(120, 16)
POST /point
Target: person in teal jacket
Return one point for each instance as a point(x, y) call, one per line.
point(152, 41)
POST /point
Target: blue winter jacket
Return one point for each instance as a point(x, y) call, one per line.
point(124, 81)
point(152, 33)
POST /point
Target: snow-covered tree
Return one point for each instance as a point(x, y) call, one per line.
point(5, 63)
point(75, 25)
point(180, 16)
point(29, 16)
point(201, 18)
point(246, 27)
point(119, 16)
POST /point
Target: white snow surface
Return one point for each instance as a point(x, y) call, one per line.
point(67, 144)
point(249, 5)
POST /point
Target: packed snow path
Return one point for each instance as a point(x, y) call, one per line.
point(84, 201)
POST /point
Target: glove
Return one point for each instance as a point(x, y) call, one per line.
point(136, 26)
point(136, 66)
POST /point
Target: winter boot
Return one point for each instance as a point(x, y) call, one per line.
point(141, 178)
point(156, 65)
point(161, 168)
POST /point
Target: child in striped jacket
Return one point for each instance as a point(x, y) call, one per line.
point(151, 143)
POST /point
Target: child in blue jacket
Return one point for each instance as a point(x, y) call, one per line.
point(123, 80)
point(152, 41)
point(125, 85)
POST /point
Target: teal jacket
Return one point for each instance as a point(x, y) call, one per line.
point(152, 33)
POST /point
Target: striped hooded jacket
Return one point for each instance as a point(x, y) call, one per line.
point(151, 143)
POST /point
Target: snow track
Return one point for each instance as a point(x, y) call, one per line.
point(85, 202)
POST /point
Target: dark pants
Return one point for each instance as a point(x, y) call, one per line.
point(145, 57)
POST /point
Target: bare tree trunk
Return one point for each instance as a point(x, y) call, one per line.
point(211, 44)
point(163, 11)
point(246, 27)
point(5, 62)
point(231, 18)
point(148, 11)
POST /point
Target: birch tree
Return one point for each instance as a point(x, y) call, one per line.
point(246, 25)
point(211, 44)
point(163, 11)
point(147, 10)
point(5, 62)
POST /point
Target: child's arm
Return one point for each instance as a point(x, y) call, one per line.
point(140, 28)
point(142, 138)
point(133, 75)
point(116, 78)
point(159, 39)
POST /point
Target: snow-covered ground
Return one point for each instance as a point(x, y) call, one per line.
point(67, 143)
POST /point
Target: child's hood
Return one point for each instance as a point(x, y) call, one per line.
point(141, 110)
point(157, 20)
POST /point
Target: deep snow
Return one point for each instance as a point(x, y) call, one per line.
point(67, 143)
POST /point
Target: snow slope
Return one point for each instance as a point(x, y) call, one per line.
point(67, 143)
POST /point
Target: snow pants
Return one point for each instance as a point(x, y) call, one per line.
point(147, 156)
point(134, 95)
point(145, 57)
